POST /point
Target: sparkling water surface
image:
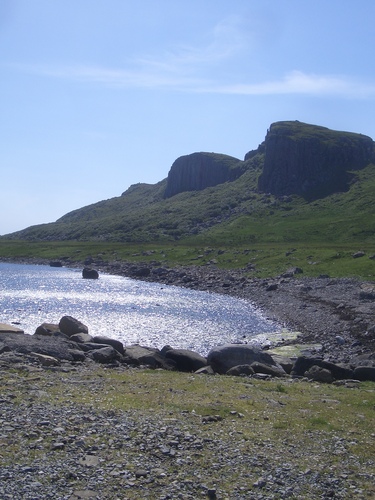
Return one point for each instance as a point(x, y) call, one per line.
point(131, 311)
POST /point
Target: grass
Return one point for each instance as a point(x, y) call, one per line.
point(335, 260)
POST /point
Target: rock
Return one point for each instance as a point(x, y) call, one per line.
point(70, 326)
point(186, 360)
point(55, 263)
point(364, 373)
point(4, 328)
point(89, 273)
point(116, 344)
point(319, 374)
point(77, 355)
point(291, 272)
point(365, 295)
point(47, 329)
point(141, 272)
point(206, 370)
point(105, 355)
point(49, 346)
point(91, 346)
point(150, 356)
point(283, 361)
point(363, 360)
point(311, 161)
point(81, 338)
point(45, 360)
point(304, 363)
point(359, 254)
point(240, 370)
point(4, 348)
point(223, 358)
point(272, 287)
point(274, 371)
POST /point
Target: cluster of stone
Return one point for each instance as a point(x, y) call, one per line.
point(70, 341)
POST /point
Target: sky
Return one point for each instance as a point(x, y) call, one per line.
point(97, 95)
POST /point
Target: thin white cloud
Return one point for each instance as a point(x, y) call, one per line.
point(154, 75)
point(298, 82)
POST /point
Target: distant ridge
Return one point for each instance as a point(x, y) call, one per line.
point(207, 194)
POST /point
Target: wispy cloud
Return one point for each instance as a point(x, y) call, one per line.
point(158, 76)
point(298, 82)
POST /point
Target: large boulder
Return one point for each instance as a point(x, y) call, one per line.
point(105, 355)
point(304, 363)
point(223, 358)
point(58, 348)
point(116, 344)
point(186, 360)
point(70, 326)
point(319, 374)
point(47, 329)
point(90, 274)
point(364, 373)
point(139, 355)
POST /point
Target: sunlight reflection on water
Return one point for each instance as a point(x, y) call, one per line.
point(131, 311)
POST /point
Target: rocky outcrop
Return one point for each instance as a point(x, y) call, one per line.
point(311, 161)
point(198, 171)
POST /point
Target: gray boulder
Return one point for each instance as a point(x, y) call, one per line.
point(285, 362)
point(138, 355)
point(70, 326)
point(47, 329)
point(81, 338)
point(91, 346)
point(49, 346)
point(274, 371)
point(240, 370)
point(90, 274)
point(186, 360)
point(223, 358)
point(77, 355)
point(304, 363)
point(105, 355)
point(116, 344)
point(319, 374)
point(364, 373)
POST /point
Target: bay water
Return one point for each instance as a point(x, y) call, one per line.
point(131, 311)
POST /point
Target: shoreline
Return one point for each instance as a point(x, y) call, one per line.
point(337, 313)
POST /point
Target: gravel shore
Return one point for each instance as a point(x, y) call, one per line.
point(58, 443)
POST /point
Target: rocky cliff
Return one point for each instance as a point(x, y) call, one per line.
point(198, 171)
point(311, 161)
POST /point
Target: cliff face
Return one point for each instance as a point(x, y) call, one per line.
point(311, 161)
point(198, 171)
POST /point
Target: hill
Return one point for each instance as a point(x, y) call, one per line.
point(304, 183)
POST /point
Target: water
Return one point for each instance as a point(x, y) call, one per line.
point(131, 311)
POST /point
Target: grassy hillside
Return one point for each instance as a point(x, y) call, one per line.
point(231, 225)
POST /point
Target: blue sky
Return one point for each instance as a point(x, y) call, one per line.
point(97, 95)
